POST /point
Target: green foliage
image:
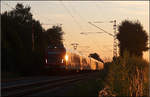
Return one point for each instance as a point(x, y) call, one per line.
point(128, 76)
point(132, 37)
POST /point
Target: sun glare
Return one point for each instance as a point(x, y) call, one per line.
point(66, 57)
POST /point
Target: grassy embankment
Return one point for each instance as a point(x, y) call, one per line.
point(128, 76)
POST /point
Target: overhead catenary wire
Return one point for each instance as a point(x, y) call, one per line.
point(68, 11)
point(101, 29)
point(114, 36)
point(83, 19)
point(74, 19)
point(97, 45)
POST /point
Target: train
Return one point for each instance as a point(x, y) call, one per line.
point(64, 59)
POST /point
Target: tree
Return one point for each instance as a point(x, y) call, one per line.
point(96, 57)
point(132, 37)
point(16, 37)
point(17, 28)
point(39, 38)
point(55, 37)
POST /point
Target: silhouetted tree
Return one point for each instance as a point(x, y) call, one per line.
point(55, 37)
point(16, 36)
point(96, 57)
point(16, 30)
point(17, 27)
point(132, 37)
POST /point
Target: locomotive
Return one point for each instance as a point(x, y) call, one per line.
point(59, 58)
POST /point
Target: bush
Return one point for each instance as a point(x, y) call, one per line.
point(128, 76)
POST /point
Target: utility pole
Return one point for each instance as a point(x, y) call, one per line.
point(114, 36)
point(75, 45)
point(115, 39)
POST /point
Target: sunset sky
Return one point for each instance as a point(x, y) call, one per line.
point(75, 15)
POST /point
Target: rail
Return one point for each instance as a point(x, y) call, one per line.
point(33, 87)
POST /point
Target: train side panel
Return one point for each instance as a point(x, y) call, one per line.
point(62, 59)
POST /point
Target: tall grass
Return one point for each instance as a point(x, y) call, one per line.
point(128, 76)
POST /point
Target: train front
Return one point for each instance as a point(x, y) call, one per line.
point(55, 58)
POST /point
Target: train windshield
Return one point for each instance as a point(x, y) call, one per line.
point(55, 55)
point(60, 46)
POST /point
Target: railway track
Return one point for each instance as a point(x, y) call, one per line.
point(34, 87)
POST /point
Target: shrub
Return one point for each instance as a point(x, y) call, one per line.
point(128, 76)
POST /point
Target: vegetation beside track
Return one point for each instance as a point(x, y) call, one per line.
point(124, 76)
point(128, 76)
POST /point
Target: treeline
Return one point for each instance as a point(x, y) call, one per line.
point(18, 32)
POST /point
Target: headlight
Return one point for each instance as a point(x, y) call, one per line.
point(46, 61)
point(62, 61)
point(66, 57)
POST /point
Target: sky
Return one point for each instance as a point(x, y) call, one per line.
point(75, 15)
